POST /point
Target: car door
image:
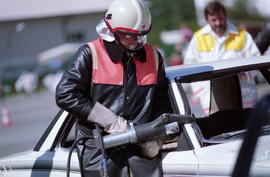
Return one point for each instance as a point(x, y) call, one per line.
point(254, 156)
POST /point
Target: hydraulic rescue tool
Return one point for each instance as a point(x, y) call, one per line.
point(164, 127)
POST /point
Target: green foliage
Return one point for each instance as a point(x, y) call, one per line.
point(240, 12)
point(168, 15)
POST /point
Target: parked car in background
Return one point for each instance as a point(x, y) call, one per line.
point(208, 146)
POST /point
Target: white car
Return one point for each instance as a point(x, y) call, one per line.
point(207, 147)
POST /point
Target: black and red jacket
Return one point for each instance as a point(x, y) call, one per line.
point(132, 85)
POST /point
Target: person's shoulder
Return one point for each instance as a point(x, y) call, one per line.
point(87, 44)
point(198, 31)
point(206, 29)
point(84, 50)
point(247, 34)
point(84, 47)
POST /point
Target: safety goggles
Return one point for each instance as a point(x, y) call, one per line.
point(131, 41)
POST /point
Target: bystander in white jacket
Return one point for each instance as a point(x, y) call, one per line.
point(206, 46)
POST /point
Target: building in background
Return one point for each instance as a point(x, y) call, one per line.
point(30, 27)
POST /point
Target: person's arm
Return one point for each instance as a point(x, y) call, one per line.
point(191, 55)
point(73, 90)
point(251, 48)
point(73, 95)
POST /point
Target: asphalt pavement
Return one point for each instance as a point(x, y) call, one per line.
point(30, 115)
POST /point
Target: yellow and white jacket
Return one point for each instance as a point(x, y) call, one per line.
point(206, 46)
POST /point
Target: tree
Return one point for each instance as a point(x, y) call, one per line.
point(243, 13)
point(167, 15)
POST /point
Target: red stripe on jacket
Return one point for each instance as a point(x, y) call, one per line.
point(105, 71)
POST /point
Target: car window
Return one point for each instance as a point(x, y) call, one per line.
point(68, 134)
point(222, 104)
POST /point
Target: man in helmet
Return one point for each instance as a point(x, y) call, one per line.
point(115, 81)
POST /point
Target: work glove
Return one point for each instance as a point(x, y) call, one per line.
point(105, 118)
point(151, 149)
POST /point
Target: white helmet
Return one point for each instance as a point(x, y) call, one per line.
point(130, 16)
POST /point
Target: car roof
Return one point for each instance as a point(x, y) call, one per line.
point(206, 70)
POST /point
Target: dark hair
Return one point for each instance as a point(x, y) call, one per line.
point(214, 8)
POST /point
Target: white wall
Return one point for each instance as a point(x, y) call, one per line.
point(40, 35)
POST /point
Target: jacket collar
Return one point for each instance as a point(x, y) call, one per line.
point(117, 53)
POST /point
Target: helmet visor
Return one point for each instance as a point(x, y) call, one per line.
point(104, 32)
point(131, 41)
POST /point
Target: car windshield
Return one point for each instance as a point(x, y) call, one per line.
point(221, 104)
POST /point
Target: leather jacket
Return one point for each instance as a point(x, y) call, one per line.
point(77, 94)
